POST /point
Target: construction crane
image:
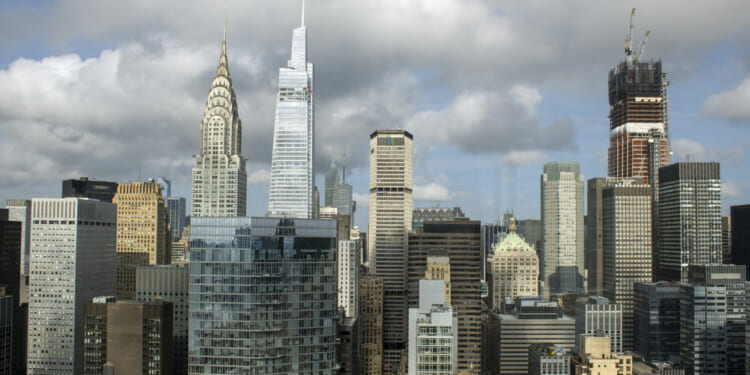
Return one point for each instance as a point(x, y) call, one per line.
point(629, 36)
point(642, 47)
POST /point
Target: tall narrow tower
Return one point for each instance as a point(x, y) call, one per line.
point(391, 156)
point(219, 175)
point(292, 176)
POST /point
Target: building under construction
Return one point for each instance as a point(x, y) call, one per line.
point(638, 116)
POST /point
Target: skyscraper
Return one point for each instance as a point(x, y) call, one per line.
point(514, 266)
point(348, 274)
point(457, 243)
point(292, 175)
point(219, 176)
point(626, 211)
point(371, 325)
point(135, 337)
point(20, 210)
point(142, 232)
point(390, 220)
point(657, 321)
point(176, 207)
point(689, 218)
point(72, 261)
point(740, 218)
point(562, 259)
point(595, 315)
point(332, 179)
point(262, 296)
point(87, 188)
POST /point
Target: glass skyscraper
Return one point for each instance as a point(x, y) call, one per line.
point(292, 176)
point(262, 296)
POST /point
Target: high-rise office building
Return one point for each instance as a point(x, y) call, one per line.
point(262, 295)
point(740, 219)
point(562, 266)
point(703, 329)
point(514, 267)
point(433, 332)
point(732, 277)
point(142, 232)
point(689, 218)
point(626, 260)
point(20, 210)
point(726, 239)
point(371, 325)
point(595, 232)
point(332, 179)
point(390, 220)
point(176, 206)
point(293, 155)
point(12, 285)
point(87, 188)
point(657, 321)
point(348, 274)
point(530, 322)
point(169, 283)
point(436, 213)
point(595, 315)
point(134, 337)
point(7, 308)
point(72, 260)
point(458, 241)
point(219, 177)
point(638, 121)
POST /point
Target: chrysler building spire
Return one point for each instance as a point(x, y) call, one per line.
point(219, 175)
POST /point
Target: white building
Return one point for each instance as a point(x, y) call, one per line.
point(562, 229)
point(433, 332)
point(595, 315)
point(348, 267)
point(292, 176)
point(515, 268)
point(72, 260)
point(219, 177)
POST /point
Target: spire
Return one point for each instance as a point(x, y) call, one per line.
point(223, 68)
point(302, 24)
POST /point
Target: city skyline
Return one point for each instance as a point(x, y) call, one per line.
point(420, 66)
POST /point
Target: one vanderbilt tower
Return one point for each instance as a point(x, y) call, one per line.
point(292, 176)
point(219, 175)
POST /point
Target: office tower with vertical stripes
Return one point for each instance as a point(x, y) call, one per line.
point(291, 191)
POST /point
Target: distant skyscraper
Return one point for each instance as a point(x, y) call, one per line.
point(142, 232)
point(20, 210)
point(332, 179)
point(293, 155)
point(562, 225)
point(169, 283)
point(657, 321)
point(726, 239)
point(689, 218)
point(626, 256)
point(514, 266)
point(732, 277)
point(86, 188)
point(219, 177)
point(390, 220)
point(638, 121)
point(595, 315)
point(72, 261)
point(135, 337)
point(262, 296)
point(176, 207)
point(458, 241)
point(740, 218)
point(348, 277)
point(371, 325)
point(13, 315)
point(436, 213)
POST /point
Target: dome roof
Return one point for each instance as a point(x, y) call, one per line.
point(512, 241)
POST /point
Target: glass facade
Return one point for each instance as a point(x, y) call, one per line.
point(262, 296)
point(292, 177)
point(176, 207)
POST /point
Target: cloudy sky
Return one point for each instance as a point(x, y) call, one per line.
point(491, 90)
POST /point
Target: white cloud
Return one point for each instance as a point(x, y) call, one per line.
point(731, 105)
point(731, 189)
point(363, 200)
point(258, 177)
point(515, 159)
point(433, 191)
point(686, 149)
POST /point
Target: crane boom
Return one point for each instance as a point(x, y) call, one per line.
point(642, 48)
point(628, 50)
